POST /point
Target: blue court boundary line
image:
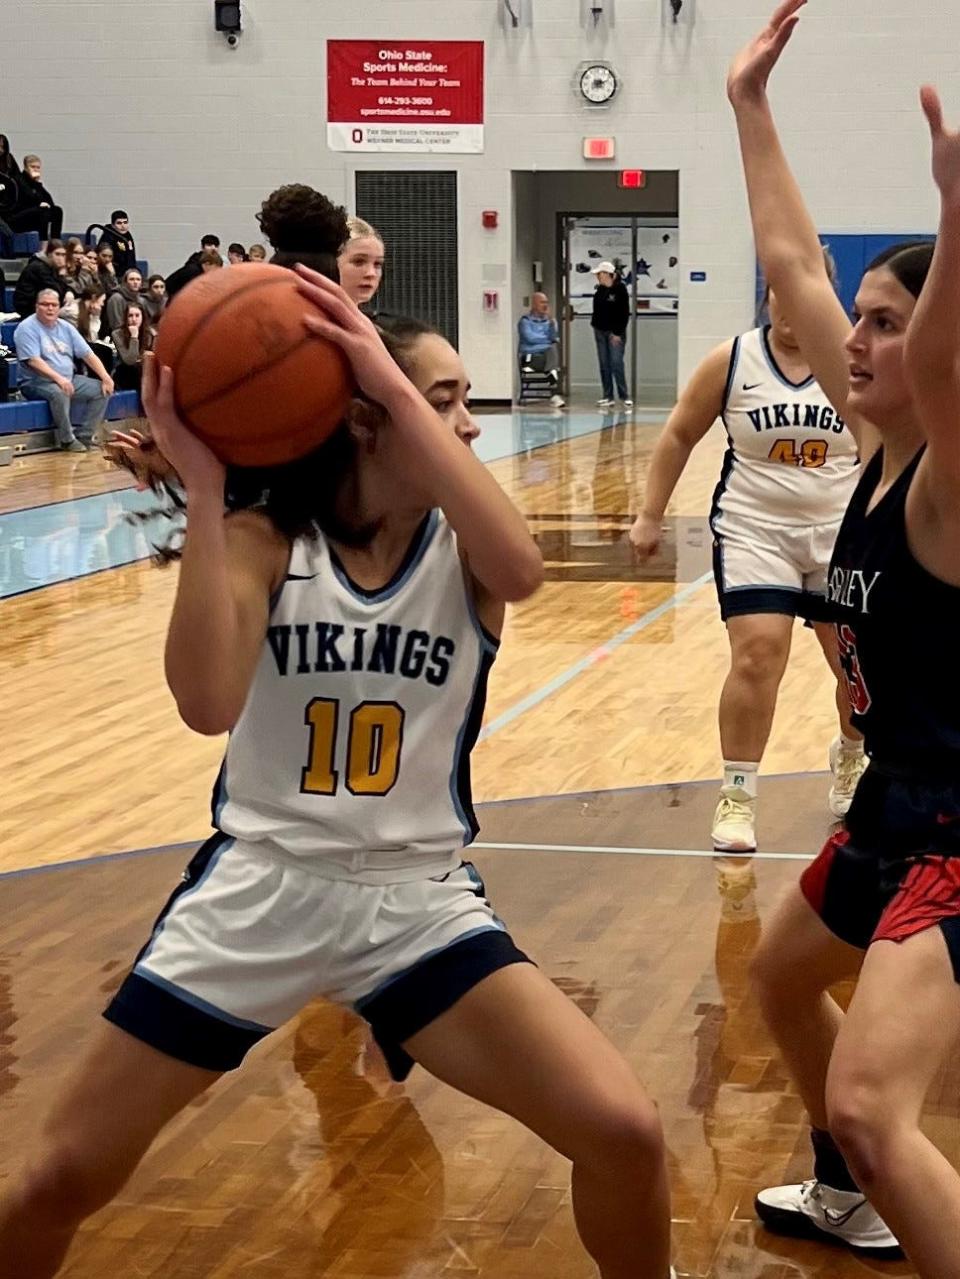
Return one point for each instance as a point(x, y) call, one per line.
point(597, 654)
point(76, 577)
point(131, 854)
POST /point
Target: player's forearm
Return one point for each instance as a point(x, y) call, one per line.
point(202, 638)
point(490, 529)
point(786, 239)
point(666, 466)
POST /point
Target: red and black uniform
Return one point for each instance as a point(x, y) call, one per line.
point(895, 870)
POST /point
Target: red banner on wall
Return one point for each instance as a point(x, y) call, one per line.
point(405, 95)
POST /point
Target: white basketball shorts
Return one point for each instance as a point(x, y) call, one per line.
point(251, 935)
point(772, 568)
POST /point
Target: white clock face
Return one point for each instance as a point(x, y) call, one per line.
point(598, 84)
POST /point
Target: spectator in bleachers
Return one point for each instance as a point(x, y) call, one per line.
point(208, 244)
point(107, 268)
point(46, 348)
point(154, 301)
point(257, 253)
point(236, 254)
point(120, 238)
point(118, 301)
point(209, 260)
point(89, 323)
point(36, 209)
point(8, 164)
point(360, 262)
point(75, 270)
point(91, 263)
point(44, 271)
point(132, 339)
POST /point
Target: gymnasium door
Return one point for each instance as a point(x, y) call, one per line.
point(646, 251)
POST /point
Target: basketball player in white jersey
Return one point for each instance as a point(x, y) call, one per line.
point(788, 473)
point(350, 668)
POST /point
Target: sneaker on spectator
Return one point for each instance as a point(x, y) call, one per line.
point(557, 401)
point(604, 404)
point(75, 446)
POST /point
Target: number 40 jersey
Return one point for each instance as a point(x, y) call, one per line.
point(354, 743)
point(790, 459)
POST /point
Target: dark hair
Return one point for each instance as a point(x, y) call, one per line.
point(909, 262)
point(8, 163)
point(400, 334)
point(210, 257)
point(83, 311)
point(54, 245)
point(119, 213)
point(238, 248)
point(152, 279)
point(304, 227)
point(209, 242)
point(122, 333)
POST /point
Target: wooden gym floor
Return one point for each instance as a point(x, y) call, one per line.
point(594, 778)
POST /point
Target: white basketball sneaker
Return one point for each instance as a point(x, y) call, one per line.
point(815, 1211)
point(847, 766)
point(734, 821)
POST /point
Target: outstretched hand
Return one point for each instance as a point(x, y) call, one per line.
point(946, 146)
point(750, 69)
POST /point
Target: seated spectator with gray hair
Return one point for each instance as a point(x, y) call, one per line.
point(538, 347)
point(46, 348)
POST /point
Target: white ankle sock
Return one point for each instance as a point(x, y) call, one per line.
point(851, 743)
point(742, 775)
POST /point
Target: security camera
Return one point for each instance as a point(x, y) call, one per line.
point(228, 20)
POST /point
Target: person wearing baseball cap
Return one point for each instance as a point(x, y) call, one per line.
point(611, 315)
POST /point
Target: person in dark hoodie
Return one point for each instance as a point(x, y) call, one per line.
point(208, 260)
point(8, 164)
point(45, 271)
point(120, 239)
point(36, 209)
point(611, 315)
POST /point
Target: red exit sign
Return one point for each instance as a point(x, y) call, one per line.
point(632, 179)
point(599, 148)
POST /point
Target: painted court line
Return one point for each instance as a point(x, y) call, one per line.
point(641, 852)
point(599, 654)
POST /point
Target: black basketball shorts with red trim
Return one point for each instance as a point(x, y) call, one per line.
point(895, 871)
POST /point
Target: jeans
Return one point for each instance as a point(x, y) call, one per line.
point(88, 397)
point(610, 354)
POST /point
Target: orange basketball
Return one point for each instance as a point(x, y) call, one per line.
point(249, 379)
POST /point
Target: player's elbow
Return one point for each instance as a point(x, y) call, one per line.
point(524, 578)
point(206, 711)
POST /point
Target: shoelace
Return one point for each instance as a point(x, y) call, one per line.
point(850, 766)
point(736, 808)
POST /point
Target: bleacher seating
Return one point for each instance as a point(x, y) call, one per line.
point(19, 245)
point(17, 416)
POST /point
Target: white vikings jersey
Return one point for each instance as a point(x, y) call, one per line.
point(354, 743)
point(790, 458)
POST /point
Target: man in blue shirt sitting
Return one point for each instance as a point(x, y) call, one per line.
point(539, 341)
point(46, 348)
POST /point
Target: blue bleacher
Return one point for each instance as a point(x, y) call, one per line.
point(34, 415)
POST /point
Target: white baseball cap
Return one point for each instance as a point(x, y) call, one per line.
point(604, 266)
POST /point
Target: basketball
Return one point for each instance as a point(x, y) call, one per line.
point(249, 379)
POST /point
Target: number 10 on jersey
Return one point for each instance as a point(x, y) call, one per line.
point(374, 737)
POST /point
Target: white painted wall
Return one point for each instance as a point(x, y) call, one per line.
point(140, 103)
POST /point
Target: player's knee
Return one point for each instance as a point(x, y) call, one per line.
point(863, 1123)
point(623, 1139)
point(64, 1185)
point(758, 659)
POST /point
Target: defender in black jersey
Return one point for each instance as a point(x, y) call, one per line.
point(883, 898)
